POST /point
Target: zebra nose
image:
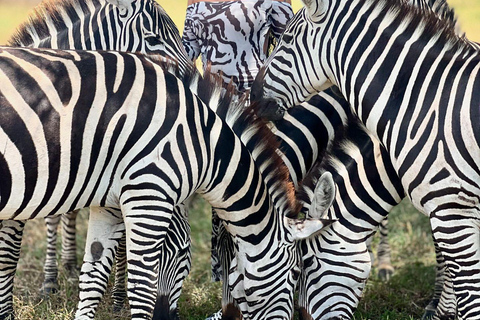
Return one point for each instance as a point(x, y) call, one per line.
point(268, 109)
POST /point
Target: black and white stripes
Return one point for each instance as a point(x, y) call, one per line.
point(414, 83)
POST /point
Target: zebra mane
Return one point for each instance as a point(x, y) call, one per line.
point(49, 10)
point(440, 24)
point(255, 134)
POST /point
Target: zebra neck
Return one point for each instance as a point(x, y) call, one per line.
point(390, 66)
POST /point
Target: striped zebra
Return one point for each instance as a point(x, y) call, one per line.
point(306, 135)
point(107, 140)
point(141, 26)
point(413, 81)
point(377, 173)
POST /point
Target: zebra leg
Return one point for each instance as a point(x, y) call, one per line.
point(105, 229)
point(11, 233)
point(50, 268)
point(458, 241)
point(370, 250)
point(119, 293)
point(145, 233)
point(226, 253)
point(443, 303)
point(223, 251)
point(216, 264)
point(175, 265)
point(69, 243)
point(385, 268)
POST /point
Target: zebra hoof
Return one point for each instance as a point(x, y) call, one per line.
point(48, 288)
point(385, 274)
point(428, 315)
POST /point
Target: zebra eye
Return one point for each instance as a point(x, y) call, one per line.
point(153, 39)
point(287, 38)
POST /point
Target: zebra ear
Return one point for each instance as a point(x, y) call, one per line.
point(315, 8)
point(323, 196)
point(123, 5)
point(305, 228)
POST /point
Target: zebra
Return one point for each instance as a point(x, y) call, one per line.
point(430, 49)
point(306, 135)
point(141, 26)
point(147, 160)
point(372, 173)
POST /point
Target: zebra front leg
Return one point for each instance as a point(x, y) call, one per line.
point(11, 233)
point(223, 251)
point(50, 267)
point(105, 229)
point(146, 227)
point(458, 241)
point(69, 243)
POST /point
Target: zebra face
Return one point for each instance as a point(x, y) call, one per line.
point(158, 33)
point(294, 71)
point(263, 279)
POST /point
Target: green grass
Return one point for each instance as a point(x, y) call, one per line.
point(403, 297)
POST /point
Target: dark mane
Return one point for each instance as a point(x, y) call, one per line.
point(49, 10)
point(442, 24)
point(255, 135)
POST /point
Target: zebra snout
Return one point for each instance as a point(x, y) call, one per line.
point(268, 109)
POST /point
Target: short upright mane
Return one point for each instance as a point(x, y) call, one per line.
point(255, 135)
point(442, 24)
point(49, 10)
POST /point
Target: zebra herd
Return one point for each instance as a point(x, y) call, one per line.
point(134, 135)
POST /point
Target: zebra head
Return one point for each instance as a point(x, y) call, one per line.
point(335, 263)
point(147, 28)
point(120, 25)
point(298, 68)
point(263, 278)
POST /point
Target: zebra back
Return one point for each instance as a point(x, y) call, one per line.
point(125, 25)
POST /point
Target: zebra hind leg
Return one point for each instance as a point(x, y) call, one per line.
point(50, 267)
point(119, 293)
point(69, 244)
point(385, 268)
point(105, 230)
point(442, 305)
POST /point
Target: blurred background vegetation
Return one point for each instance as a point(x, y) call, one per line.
point(403, 297)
